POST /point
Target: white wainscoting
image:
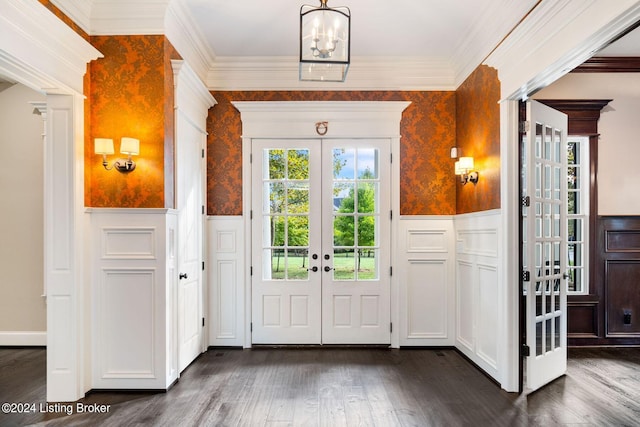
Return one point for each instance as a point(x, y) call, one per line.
point(478, 288)
point(225, 237)
point(424, 265)
point(133, 268)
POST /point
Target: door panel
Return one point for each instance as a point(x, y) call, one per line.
point(189, 199)
point(545, 244)
point(286, 225)
point(356, 236)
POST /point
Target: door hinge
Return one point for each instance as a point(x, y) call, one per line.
point(390, 157)
point(203, 153)
point(203, 322)
point(251, 271)
point(526, 276)
point(525, 351)
point(390, 214)
point(202, 209)
point(251, 326)
point(250, 214)
point(390, 327)
point(525, 126)
point(525, 201)
point(202, 265)
point(250, 158)
point(390, 271)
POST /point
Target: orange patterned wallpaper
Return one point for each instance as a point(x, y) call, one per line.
point(130, 92)
point(427, 185)
point(478, 135)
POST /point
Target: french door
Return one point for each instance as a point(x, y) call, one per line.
point(320, 241)
point(544, 188)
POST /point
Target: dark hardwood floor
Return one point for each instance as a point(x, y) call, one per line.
point(344, 387)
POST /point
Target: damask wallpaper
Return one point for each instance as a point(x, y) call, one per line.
point(428, 129)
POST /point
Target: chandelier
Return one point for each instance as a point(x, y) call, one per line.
point(325, 42)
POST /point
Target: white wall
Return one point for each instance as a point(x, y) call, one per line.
point(619, 127)
point(22, 307)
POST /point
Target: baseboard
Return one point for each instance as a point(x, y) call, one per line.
point(23, 338)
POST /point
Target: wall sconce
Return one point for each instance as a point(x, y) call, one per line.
point(128, 146)
point(464, 168)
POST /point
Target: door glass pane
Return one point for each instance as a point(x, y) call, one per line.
point(298, 198)
point(344, 163)
point(344, 261)
point(367, 163)
point(285, 214)
point(298, 164)
point(276, 169)
point(356, 190)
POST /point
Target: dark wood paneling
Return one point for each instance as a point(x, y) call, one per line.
point(583, 114)
point(609, 64)
point(583, 312)
point(617, 279)
point(623, 296)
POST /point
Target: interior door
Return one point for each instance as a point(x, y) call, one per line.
point(544, 185)
point(355, 249)
point(320, 227)
point(189, 200)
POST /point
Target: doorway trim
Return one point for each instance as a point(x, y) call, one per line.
point(573, 32)
point(299, 119)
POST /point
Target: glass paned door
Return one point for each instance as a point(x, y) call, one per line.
point(320, 241)
point(356, 277)
point(545, 244)
point(286, 226)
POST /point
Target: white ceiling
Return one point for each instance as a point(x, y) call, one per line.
point(446, 39)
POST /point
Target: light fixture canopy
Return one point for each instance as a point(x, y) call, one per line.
point(325, 43)
point(128, 146)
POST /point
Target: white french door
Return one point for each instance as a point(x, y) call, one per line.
point(544, 184)
point(320, 246)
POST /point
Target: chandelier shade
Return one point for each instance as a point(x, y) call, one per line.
point(325, 42)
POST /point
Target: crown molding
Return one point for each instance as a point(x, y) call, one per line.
point(555, 38)
point(79, 11)
point(480, 40)
point(186, 37)
point(33, 41)
point(281, 73)
point(124, 17)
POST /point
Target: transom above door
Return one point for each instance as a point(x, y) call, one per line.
point(320, 241)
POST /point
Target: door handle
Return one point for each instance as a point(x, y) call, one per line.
point(327, 268)
point(314, 268)
point(183, 276)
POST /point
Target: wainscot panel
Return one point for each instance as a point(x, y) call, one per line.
point(478, 288)
point(225, 242)
point(426, 280)
point(133, 265)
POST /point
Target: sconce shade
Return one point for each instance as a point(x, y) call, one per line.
point(103, 146)
point(130, 146)
point(465, 164)
point(325, 43)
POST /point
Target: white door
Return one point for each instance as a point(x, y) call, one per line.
point(355, 242)
point(189, 200)
point(544, 183)
point(321, 232)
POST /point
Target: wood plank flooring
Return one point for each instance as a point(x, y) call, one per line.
point(345, 387)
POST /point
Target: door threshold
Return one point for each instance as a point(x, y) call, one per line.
point(319, 346)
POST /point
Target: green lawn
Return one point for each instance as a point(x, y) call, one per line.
point(344, 267)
